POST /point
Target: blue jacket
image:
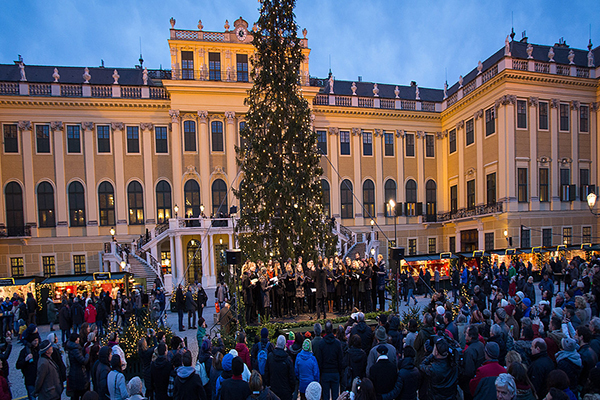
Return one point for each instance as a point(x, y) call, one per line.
point(547, 285)
point(307, 369)
point(381, 276)
point(464, 277)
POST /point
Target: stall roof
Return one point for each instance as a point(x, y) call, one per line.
point(429, 257)
point(85, 277)
point(471, 254)
point(25, 280)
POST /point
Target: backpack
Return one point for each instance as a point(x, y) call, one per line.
point(262, 358)
point(201, 371)
point(347, 373)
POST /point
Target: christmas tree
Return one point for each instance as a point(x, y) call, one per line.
point(281, 197)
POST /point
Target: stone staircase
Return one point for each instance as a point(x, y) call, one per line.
point(141, 269)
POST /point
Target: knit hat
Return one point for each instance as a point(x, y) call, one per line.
point(307, 345)
point(440, 310)
point(521, 295)
point(134, 386)
point(233, 352)
point(291, 336)
point(580, 284)
point(280, 342)
point(313, 391)
point(237, 366)
point(500, 313)
point(51, 337)
point(380, 334)
point(307, 335)
point(226, 363)
point(264, 333)
point(509, 309)
point(91, 336)
point(503, 303)
point(568, 344)
point(527, 302)
point(492, 350)
point(45, 346)
point(558, 311)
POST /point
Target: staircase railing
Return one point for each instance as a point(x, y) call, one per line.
point(153, 264)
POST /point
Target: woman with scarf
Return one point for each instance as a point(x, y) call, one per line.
point(569, 361)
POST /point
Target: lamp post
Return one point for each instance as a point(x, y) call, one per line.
point(508, 239)
point(176, 209)
point(202, 210)
point(591, 202)
point(392, 205)
point(112, 234)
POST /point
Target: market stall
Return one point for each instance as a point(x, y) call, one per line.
point(21, 286)
point(441, 262)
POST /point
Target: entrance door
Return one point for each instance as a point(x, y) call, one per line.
point(469, 240)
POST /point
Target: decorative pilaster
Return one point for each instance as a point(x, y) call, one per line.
point(204, 146)
point(90, 178)
point(230, 155)
point(62, 215)
point(149, 192)
point(176, 157)
point(120, 189)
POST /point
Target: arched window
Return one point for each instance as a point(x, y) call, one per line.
point(219, 197)
point(194, 261)
point(13, 197)
point(369, 198)
point(430, 199)
point(45, 198)
point(390, 194)
point(163, 202)
point(192, 201)
point(346, 199)
point(411, 197)
point(135, 197)
point(76, 204)
point(106, 204)
point(216, 130)
point(326, 197)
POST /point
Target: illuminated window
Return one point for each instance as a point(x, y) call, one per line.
point(76, 204)
point(79, 264)
point(135, 197)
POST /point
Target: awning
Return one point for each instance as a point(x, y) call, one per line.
point(98, 276)
point(506, 252)
point(429, 257)
point(25, 280)
point(474, 254)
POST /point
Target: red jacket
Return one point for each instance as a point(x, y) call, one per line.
point(90, 314)
point(244, 354)
point(489, 368)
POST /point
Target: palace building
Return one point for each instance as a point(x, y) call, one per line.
point(503, 158)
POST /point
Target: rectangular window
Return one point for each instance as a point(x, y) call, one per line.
point(586, 234)
point(242, 67)
point(544, 185)
point(42, 134)
point(48, 265)
point(564, 117)
point(470, 132)
point(584, 119)
point(431, 245)
point(187, 65)
point(216, 128)
point(189, 136)
point(322, 142)
point(491, 189)
point(490, 121)
point(16, 267)
point(452, 244)
point(547, 237)
point(162, 145)
point(565, 176)
point(345, 143)
point(410, 144)
point(567, 236)
point(584, 184)
point(453, 198)
point(525, 238)
point(73, 139)
point(452, 140)
point(412, 246)
point(103, 132)
point(79, 264)
point(471, 194)
point(214, 66)
point(429, 146)
point(489, 241)
point(543, 114)
point(522, 185)
point(388, 138)
point(367, 143)
point(133, 139)
point(11, 141)
point(567, 191)
point(522, 114)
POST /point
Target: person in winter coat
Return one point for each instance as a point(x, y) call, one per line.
point(258, 390)
point(215, 373)
point(356, 360)
point(395, 335)
point(100, 372)
point(279, 372)
point(364, 331)
point(113, 343)
point(50, 312)
point(541, 365)
point(48, 385)
point(242, 349)
point(443, 376)
point(57, 357)
point(307, 368)
point(569, 360)
point(5, 393)
point(257, 347)
point(205, 361)
point(135, 389)
point(424, 335)
point(235, 388)
point(408, 380)
point(90, 313)
point(382, 340)
point(160, 369)
point(64, 321)
point(188, 384)
point(180, 305)
point(383, 373)
point(76, 314)
point(27, 363)
point(483, 385)
point(473, 357)
point(330, 356)
point(145, 354)
point(117, 388)
point(191, 306)
point(77, 380)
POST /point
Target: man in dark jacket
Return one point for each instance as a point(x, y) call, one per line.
point(541, 365)
point(100, 371)
point(64, 321)
point(180, 304)
point(263, 344)
point(235, 388)
point(441, 373)
point(188, 384)
point(408, 380)
point(159, 373)
point(27, 362)
point(381, 274)
point(383, 373)
point(76, 314)
point(31, 309)
point(279, 371)
point(48, 385)
point(329, 357)
point(364, 331)
point(190, 306)
point(423, 336)
point(321, 286)
point(381, 338)
point(473, 357)
point(77, 379)
point(588, 357)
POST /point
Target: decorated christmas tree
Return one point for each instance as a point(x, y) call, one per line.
point(281, 197)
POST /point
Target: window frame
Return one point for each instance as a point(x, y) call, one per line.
point(346, 207)
point(100, 145)
point(544, 185)
point(10, 140)
point(159, 145)
point(345, 144)
point(244, 72)
point(490, 121)
point(161, 200)
point(522, 187)
point(369, 198)
point(107, 210)
point(187, 65)
point(584, 119)
point(386, 192)
point(388, 147)
point(546, 234)
point(50, 213)
point(214, 135)
point(452, 244)
point(432, 244)
point(489, 244)
point(322, 141)
point(412, 246)
point(20, 267)
point(525, 238)
point(37, 138)
point(367, 143)
point(222, 194)
point(326, 197)
point(543, 119)
point(567, 235)
point(214, 66)
point(521, 114)
point(138, 200)
point(491, 197)
point(192, 198)
point(132, 141)
point(566, 119)
point(14, 208)
point(77, 261)
point(411, 196)
point(471, 202)
point(409, 143)
point(429, 147)
point(72, 141)
point(452, 141)
point(76, 204)
point(44, 258)
point(469, 132)
point(189, 136)
point(453, 198)
point(586, 237)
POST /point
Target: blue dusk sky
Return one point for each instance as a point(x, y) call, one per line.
point(384, 41)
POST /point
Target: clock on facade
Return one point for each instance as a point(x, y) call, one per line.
point(241, 33)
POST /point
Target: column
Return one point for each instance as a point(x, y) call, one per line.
point(207, 275)
point(90, 178)
point(29, 191)
point(120, 189)
point(511, 172)
point(420, 152)
point(180, 260)
point(379, 183)
point(533, 170)
point(400, 166)
point(442, 174)
point(575, 148)
point(594, 132)
point(554, 169)
point(176, 151)
point(460, 147)
point(356, 156)
point(204, 152)
point(149, 197)
point(335, 180)
point(173, 259)
point(481, 181)
point(210, 255)
point(230, 154)
point(502, 167)
point(61, 206)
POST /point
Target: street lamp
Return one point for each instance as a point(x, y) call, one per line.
point(392, 205)
point(123, 265)
point(112, 233)
point(591, 201)
point(176, 209)
point(508, 239)
point(202, 210)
